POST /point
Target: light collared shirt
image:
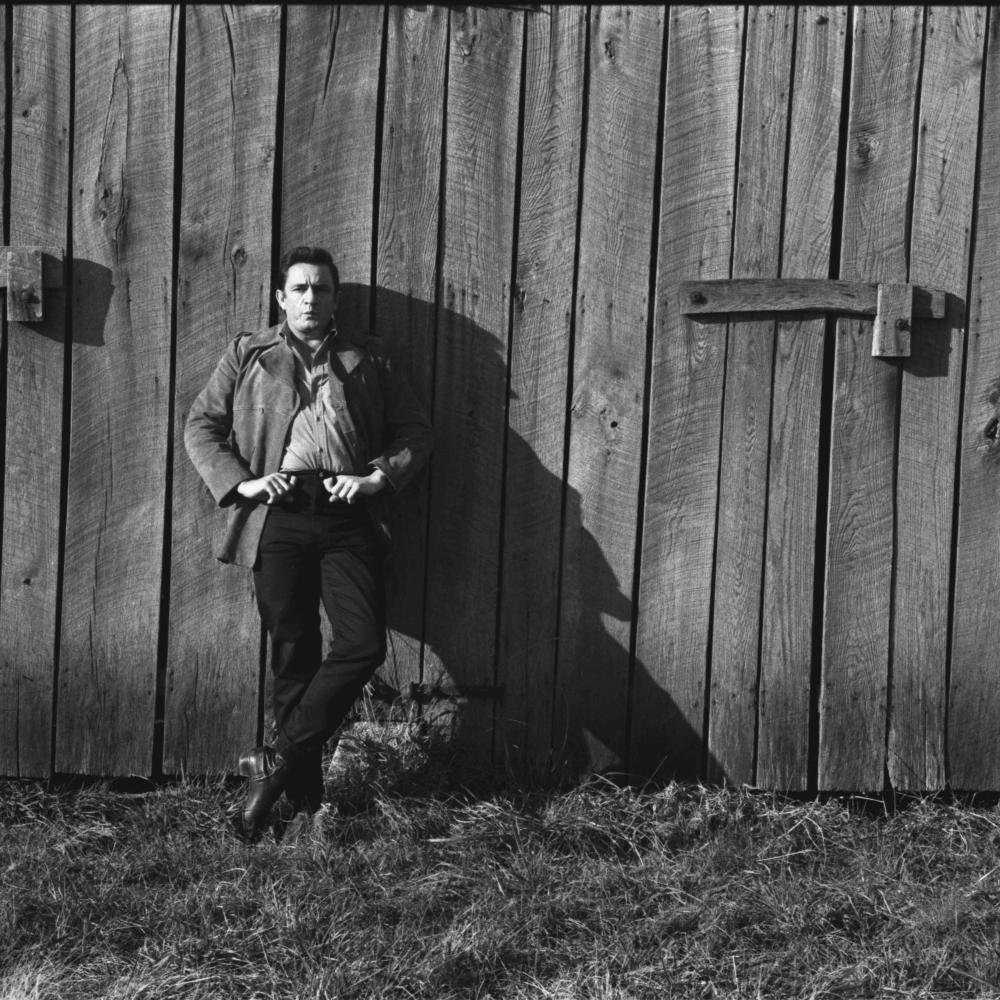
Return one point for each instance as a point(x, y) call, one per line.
point(316, 439)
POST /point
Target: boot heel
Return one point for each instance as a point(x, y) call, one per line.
point(250, 763)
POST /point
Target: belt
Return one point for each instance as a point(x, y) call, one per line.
point(309, 494)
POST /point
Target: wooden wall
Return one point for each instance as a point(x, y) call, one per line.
point(743, 551)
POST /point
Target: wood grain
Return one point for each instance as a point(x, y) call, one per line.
point(224, 279)
point(770, 295)
point(674, 601)
point(944, 186)
point(470, 384)
point(608, 385)
point(332, 65)
point(973, 745)
point(122, 239)
point(852, 737)
point(406, 268)
point(739, 553)
point(328, 152)
point(539, 376)
point(786, 661)
point(33, 421)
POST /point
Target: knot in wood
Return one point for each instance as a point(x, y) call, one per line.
point(467, 34)
point(109, 206)
point(866, 147)
point(989, 445)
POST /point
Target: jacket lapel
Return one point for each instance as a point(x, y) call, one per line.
point(275, 355)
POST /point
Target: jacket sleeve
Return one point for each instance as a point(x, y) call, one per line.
point(208, 431)
point(408, 432)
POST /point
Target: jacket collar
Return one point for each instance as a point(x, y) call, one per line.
point(274, 336)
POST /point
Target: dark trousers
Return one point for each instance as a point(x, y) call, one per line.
point(313, 550)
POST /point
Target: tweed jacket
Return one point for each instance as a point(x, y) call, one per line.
point(238, 427)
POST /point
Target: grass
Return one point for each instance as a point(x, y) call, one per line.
point(407, 889)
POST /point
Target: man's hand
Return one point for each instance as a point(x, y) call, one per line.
point(269, 488)
point(349, 488)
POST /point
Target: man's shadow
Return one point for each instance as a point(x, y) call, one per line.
point(531, 708)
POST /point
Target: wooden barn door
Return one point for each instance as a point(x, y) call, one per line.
point(894, 434)
point(799, 537)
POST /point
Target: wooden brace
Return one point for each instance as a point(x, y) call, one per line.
point(894, 306)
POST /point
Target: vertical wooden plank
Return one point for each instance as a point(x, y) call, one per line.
point(33, 473)
point(540, 352)
point(122, 275)
point(674, 602)
point(328, 151)
point(787, 620)
point(747, 404)
point(929, 407)
point(409, 208)
point(471, 363)
point(974, 695)
point(606, 415)
point(224, 279)
point(332, 55)
point(861, 523)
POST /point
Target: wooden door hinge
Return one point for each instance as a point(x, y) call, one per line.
point(26, 274)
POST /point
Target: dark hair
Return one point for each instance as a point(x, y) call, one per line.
point(307, 255)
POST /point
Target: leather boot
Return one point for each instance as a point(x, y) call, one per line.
point(305, 789)
point(268, 774)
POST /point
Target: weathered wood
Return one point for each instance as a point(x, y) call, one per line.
point(39, 174)
point(863, 436)
point(328, 152)
point(893, 320)
point(973, 745)
point(674, 600)
point(122, 239)
point(409, 206)
point(489, 541)
point(944, 186)
point(608, 383)
point(821, 295)
point(787, 615)
point(747, 402)
point(471, 361)
point(224, 279)
point(539, 376)
point(48, 261)
point(23, 280)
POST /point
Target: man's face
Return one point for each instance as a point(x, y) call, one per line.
point(307, 299)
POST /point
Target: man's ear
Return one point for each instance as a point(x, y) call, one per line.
point(279, 294)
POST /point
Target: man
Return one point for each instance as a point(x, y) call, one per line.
point(302, 432)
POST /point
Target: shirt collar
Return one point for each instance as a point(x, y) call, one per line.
point(325, 347)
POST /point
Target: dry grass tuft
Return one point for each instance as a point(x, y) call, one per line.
point(402, 888)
